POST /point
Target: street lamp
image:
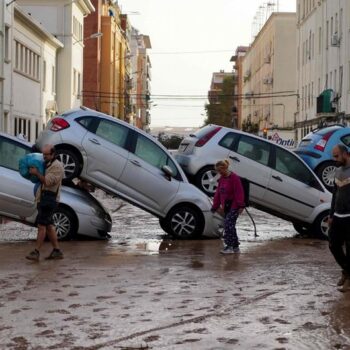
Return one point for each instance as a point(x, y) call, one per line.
point(92, 36)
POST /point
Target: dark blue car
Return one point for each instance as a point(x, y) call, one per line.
point(316, 150)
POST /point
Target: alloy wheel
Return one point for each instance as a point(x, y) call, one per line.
point(183, 223)
point(210, 181)
point(62, 224)
point(69, 164)
point(328, 175)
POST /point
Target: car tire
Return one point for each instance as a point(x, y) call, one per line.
point(71, 163)
point(184, 222)
point(326, 174)
point(164, 226)
point(207, 180)
point(302, 229)
point(320, 226)
point(65, 223)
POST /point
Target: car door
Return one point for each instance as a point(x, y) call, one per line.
point(250, 159)
point(105, 145)
point(293, 189)
point(143, 180)
point(16, 192)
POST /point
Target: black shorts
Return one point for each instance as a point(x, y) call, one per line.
point(45, 214)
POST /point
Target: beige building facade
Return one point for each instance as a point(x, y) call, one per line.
point(269, 99)
point(323, 63)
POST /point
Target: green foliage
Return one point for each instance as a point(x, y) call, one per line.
point(172, 142)
point(250, 127)
point(221, 112)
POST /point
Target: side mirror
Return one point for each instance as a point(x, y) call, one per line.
point(168, 171)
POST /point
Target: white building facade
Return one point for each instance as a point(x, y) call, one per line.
point(268, 83)
point(323, 63)
point(65, 20)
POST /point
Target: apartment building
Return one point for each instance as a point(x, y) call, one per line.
point(269, 79)
point(323, 63)
point(141, 82)
point(64, 20)
point(237, 59)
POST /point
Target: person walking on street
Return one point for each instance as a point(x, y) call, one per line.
point(339, 217)
point(229, 199)
point(47, 196)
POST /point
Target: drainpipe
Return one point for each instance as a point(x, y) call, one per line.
point(2, 59)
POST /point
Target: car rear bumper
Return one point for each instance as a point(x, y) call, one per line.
point(190, 165)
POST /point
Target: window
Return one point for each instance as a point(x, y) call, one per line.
point(319, 40)
point(327, 34)
point(27, 61)
point(77, 29)
point(228, 140)
point(112, 132)
point(7, 44)
point(22, 126)
point(10, 153)
point(53, 79)
point(44, 75)
point(288, 164)
point(346, 140)
point(254, 149)
point(6, 120)
point(86, 122)
point(151, 153)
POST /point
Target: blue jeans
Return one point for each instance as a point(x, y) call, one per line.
point(230, 233)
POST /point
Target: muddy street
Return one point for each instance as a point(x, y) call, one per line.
point(142, 291)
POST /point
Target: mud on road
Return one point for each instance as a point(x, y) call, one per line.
point(140, 291)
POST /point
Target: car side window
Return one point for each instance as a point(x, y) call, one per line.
point(153, 154)
point(254, 149)
point(85, 122)
point(288, 164)
point(229, 140)
point(346, 140)
point(112, 132)
point(11, 152)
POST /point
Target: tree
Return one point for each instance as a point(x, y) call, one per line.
point(220, 112)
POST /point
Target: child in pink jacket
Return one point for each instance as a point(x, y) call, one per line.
point(229, 196)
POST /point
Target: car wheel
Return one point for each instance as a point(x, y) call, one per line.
point(207, 180)
point(70, 163)
point(184, 222)
point(65, 223)
point(326, 173)
point(302, 229)
point(320, 225)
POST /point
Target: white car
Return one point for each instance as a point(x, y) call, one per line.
point(126, 161)
point(281, 183)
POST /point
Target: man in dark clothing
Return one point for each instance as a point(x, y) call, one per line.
point(339, 217)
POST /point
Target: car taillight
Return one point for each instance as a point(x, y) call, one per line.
point(202, 141)
point(58, 124)
point(321, 145)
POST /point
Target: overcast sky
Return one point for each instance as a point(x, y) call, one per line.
point(212, 27)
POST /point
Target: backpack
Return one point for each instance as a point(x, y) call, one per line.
point(246, 189)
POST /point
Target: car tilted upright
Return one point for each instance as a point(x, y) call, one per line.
point(126, 161)
point(77, 213)
point(280, 182)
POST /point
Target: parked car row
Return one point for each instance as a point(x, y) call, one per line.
point(125, 161)
point(280, 182)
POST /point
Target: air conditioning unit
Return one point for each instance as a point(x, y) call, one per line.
point(265, 81)
point(267, 59)
point(270, 80)
point(335, 40)
point(248, 94)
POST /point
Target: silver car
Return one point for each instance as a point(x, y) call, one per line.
point(124, 160)
point(280, 182)
point(78, 211)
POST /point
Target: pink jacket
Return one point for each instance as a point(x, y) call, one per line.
point(229, 188)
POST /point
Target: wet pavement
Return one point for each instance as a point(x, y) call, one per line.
point(140, 290)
